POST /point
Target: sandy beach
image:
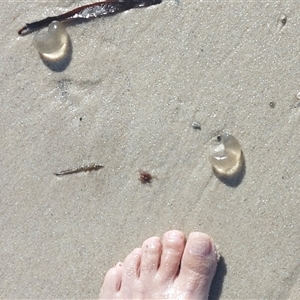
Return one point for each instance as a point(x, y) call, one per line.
point(126, 97)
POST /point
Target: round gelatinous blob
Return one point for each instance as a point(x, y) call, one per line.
point(226, 154)
point(53, 40)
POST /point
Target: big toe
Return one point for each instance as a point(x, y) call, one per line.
point(198, 266)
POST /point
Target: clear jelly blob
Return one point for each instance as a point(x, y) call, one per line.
point(225, 154)
point(53, 40)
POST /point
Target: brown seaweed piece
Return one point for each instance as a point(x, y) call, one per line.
point(93, 10)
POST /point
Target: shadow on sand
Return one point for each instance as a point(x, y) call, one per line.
point(217, 283)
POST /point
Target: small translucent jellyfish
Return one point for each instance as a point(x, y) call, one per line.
point(53, 40)
point(225, 154)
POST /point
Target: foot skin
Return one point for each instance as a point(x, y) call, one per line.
point(171, 269)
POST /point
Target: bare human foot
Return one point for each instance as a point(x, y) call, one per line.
point(171, 269)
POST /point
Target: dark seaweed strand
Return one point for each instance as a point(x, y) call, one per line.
point(45, 22)
point(89, 168)
point(141, 3)
point(117, 5)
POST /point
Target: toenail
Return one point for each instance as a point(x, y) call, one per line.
point(173, 236)
point(153, 244)
point(201, 245)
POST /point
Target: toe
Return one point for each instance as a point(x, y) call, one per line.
point(131, 269)
point(198, 265)
point(150, 258)
point(172, 249)
point(112, 282)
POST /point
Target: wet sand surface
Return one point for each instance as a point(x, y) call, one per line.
point(125, 97)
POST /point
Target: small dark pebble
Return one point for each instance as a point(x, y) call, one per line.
point(272, 104)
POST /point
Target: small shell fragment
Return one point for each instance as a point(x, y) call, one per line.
point(196, 125)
